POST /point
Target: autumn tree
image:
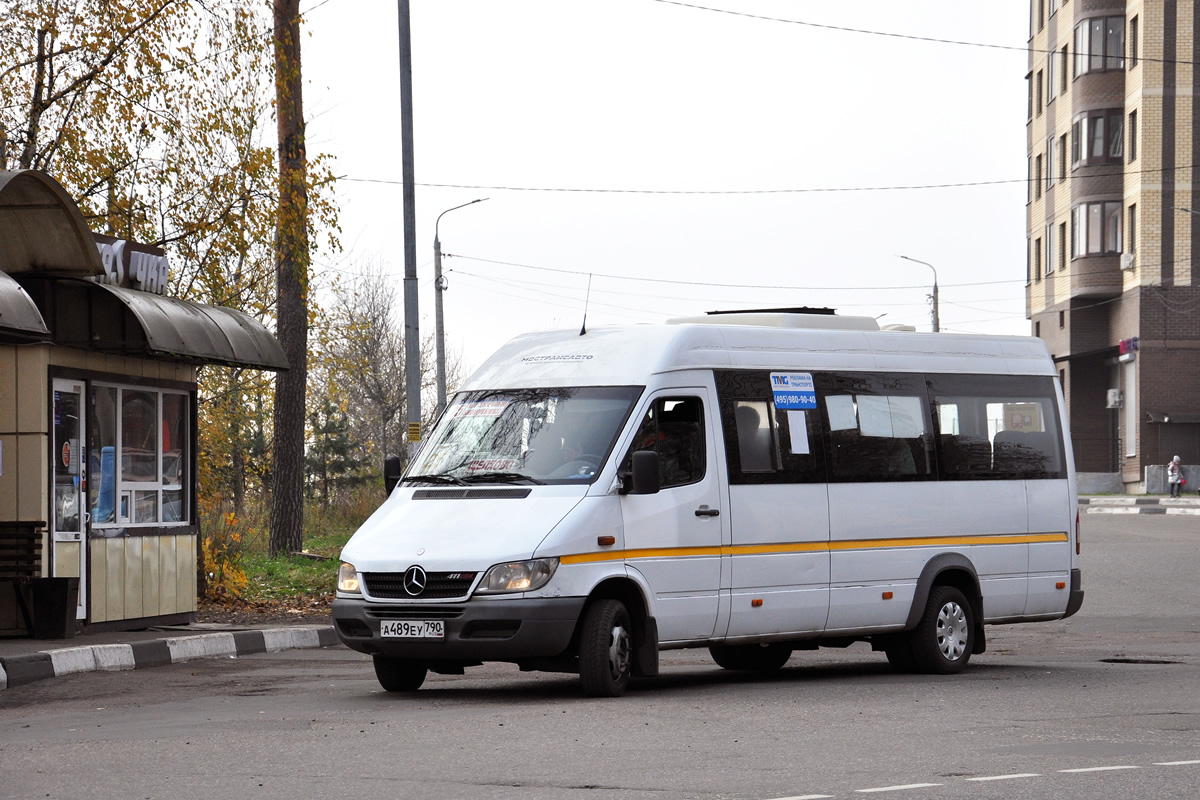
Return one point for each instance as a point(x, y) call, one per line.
point(157, 117)
point(359, 364)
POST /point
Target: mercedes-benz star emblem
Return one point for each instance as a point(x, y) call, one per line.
point(415, 580)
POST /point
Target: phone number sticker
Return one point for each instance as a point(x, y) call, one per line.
point(793, 390)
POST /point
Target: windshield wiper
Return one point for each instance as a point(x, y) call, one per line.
point(502, 477)
point(437, 477)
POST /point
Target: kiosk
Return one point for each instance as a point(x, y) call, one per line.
point(98, 451)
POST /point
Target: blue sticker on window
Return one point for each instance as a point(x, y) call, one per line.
point(793, 390)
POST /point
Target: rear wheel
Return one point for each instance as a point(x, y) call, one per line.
point(399, 674)
point(605, 649)
point(942, 641)
point(751, 657)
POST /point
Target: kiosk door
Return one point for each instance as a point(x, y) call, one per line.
point(69, 488)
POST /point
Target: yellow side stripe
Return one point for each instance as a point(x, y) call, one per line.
point(812, 547)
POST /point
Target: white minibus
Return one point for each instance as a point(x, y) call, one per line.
point(753, 483)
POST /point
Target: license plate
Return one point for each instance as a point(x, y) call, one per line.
point(412, 629)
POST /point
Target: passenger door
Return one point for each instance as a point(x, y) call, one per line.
point(673, 538)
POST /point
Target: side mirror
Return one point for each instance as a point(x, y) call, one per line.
point(391, 473)
point(644, 478)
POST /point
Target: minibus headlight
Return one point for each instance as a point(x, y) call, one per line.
point(520, 576)
point(347, 578)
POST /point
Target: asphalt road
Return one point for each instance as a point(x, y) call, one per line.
point(1106, 704)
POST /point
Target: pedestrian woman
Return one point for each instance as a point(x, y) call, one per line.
point(1175, 477)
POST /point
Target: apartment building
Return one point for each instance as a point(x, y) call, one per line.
point(1113, 215)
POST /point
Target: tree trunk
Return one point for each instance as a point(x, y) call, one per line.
point(291, 272)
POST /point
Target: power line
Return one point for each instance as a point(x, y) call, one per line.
point(807, 190)
point(718, 285)
point(911, 37)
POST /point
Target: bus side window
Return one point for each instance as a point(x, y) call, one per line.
point(753, 421)
point(674, 427)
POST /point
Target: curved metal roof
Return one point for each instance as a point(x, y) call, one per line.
point(41, 228)
point(20, 320)
point(193, 331)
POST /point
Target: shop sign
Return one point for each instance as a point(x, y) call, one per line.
point(133, 265)
point(1128, 345)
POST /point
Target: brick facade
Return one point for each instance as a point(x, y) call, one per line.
point(1140, 286)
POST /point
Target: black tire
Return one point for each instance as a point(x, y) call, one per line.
point(751, 657)
point(399, 674)
point(941, 643)
point(605, 649)
point(899, 655)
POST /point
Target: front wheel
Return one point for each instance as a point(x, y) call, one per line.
point(751, 657)
point(399, 674)
point(942, 641)
point(605, 649)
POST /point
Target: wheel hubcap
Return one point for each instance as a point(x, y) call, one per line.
point(952, 631)
point(618, 652)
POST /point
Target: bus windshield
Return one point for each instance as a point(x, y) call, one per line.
point(532, 436)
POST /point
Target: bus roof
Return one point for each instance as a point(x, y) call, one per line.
point(629, 356)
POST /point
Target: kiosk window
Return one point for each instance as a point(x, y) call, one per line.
point(674, 427)
point(139, 456)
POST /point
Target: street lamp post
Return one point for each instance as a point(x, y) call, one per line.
point(438, 288)
point(936, 324)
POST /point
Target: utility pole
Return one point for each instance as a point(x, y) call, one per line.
point(412, 327)
point(936, 322)
point(438, 288)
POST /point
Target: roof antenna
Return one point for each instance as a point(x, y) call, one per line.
point(587, 297)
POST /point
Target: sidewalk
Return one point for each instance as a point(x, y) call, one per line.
point(1141, 504)
point(24, 661)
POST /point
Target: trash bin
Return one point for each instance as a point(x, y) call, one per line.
point(54, 604)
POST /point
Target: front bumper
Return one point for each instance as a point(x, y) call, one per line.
point(476, 630)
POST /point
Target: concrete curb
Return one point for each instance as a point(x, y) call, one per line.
point(30, 667)
point(1189, 506)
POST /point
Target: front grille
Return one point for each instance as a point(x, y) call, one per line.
point(418, 612)
point(439, 585)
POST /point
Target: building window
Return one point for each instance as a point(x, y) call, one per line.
point(1050, 249)
point(1062, 245)
point(1132, 229)
point(1100, 45)
point(1051, 172)
point(1039, 93)
point(1051, 83)
point(1062, 320)
point(1028, 262)
point(1037, 176)
point(1037, 259)
point(1098, 137)
point(1132, 136)
point(1062, 157)
point(1133, 42)
point(1037, 329)
point(1053, 7)
point(1063, 70)
point(1096, 228)
point(139, 456)
point(1029, 180)
point(1029, 91)
point(1041, 14)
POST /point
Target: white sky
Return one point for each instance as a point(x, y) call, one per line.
point(647, 95)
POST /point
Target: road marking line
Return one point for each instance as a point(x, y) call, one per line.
point(1007, 777)
point(1098, 769)
point(898, 788)
point(1174, 763)
point(806, 797)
